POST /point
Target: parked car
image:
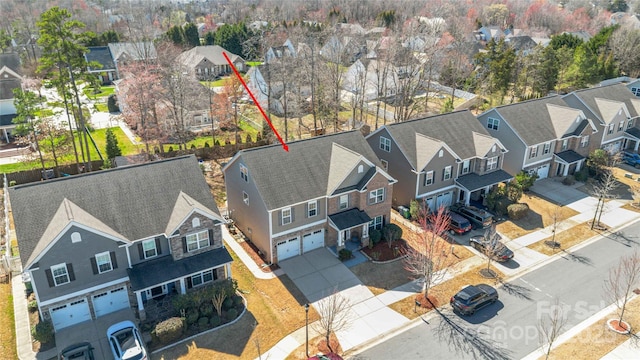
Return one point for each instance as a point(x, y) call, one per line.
point(479, 218)
point(79, 351)
point(632, 159)
point(459, 224)
point(126, 342)
point(500, 251)
point(472, 298)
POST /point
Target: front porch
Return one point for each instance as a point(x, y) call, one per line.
point(567, 162)
point(351, 226)
point(473, 187)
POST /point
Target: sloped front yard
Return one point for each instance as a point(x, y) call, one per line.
point(540, 215)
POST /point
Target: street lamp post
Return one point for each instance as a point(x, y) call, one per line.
point(306, 311)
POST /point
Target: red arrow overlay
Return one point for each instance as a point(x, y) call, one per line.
point(284, 145)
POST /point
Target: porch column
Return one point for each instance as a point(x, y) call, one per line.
point(183, 288)
point(228, 268)
point(635, 147)
point(467, 197)
point(6, 135)
point(565, 170)
point(365, 231)
point(139, 299)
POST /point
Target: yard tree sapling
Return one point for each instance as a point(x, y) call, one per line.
point(550, 326)
point(26, 104)
point(623, 279)
point(334, 316)
point(112, 148)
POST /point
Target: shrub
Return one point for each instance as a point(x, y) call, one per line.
point(392, 232)
point(232, 314)
point(193, 146)
point(569, 180)
point(203, 322)
point(501, 205)
point(517, 211)
point(375, 236)
point(344, 254)
point(414, 209)
point(216, 143)
point(170, 148)
point(169, 330)
point(237, 300)
point(215, 321)
point(42, 332)
point(582, 175)
point(227, 304)
point(525, 180)
point(32, 306)
point(112, 103)
point(206, 144)
point(376, 255)
point(248, 140)
point(192, 316)
point(206, 309)
point(12, 183)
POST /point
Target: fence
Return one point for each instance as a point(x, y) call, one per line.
point(29, 176)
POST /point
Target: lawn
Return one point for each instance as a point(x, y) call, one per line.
point(567, 239)
point(275, 309)
point(7, 330)
point(104, 91)
point(253, 63)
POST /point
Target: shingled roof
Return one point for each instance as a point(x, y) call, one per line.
point(213, 53)
point(309, 169)
point(593, 98)
point(101, 55)
point(129, 203)
point(459, 130)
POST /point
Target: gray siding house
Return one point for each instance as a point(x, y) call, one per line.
point(322, 192)
point(100, 242)
point(441, 159)
point(614, 110)
point(208, 62)
point(544, 136)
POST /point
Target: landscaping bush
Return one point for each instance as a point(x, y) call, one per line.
point(232, 314)
point(206, 309)
point(248, 140)
point(501, 205)
point(569, 180)
point(42, 332)
point(227, 304)
point(414, 209)
point(169, 330)
point(32, 306)
point(192, 316)
point(237, 300)
point(112, 103)
point(12, 183)
point(215, 321)
point(525, 180)
point(392, 232)
point(203, 322)
point(582, 175)
point(344, 254)
point(375, 236)
point(517, 211)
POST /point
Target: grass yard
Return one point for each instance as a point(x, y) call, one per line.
point(7, 330)
point(597, 340)
point(382, 277)
point(253, 63)
point(101, 107)
point(567, 239)
point(104, 91)
point(539, 216)
point(275, 309)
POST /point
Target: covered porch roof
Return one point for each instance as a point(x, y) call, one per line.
point(349, 219)
point(472, 182)
point(165, 269)
point(568, 157)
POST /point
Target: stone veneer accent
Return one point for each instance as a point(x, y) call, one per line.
point(175, 242)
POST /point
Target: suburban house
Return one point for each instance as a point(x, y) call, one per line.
point(634, 87)
point(124, 53)
point(208, 62)
point(440, 159)
point(10, 79)
point(104, 241)
point(277, 53)
point(375, 79)
point(101, 63)
point(322, 192)
point(614, 111)
point(545, 136)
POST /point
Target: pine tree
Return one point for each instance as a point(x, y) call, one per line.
point(112, 149)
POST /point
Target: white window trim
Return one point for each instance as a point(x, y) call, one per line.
point(385, 164)
point(492, 163)
point(286, 217)
point(546, 148)
point(493, 123)
point(466, 165)
point(376, 196)
point(201, 277)
point(385, 144)
point(312, 206)
point(376, 222)
point(611, 127)
point(428, 178)
point(584, 141)
point(447, 173)
point(346, 203)
point(62, 266)
point(144, 250)
point(245, 197)
point(198, 240)
point(565, 144)
point(98, 262)
point(244, 173)
point(533, 152)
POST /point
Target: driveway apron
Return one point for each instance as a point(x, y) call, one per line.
point(557, 192)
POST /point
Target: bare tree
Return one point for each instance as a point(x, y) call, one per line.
point(490, 248)
point(334, 316)
point(603, 191)
point(550, 326)
point(427, 256)
point(554, 215)
point(622, 280)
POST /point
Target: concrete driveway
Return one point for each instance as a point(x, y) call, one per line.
point(556, 191)
point(319, 273)
point(95, 332)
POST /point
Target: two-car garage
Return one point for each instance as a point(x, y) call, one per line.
point(289, 248)
point(77, 311)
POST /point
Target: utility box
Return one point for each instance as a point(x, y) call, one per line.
point(404, 212)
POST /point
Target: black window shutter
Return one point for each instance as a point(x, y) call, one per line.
point(280, 218)
point(94, 265)
point(306, 211)
point(293, 218)
point(72, 275)
point(211, 237)
point(114, 261)
point(189, 285)
point(49, 277)
point(184, 244)
point(141, 251)
point(158, 247)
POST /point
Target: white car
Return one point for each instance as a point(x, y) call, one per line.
point(126, 342)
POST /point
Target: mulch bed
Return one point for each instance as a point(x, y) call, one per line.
point(429, 302)
point(382, 252)
point(252, 251)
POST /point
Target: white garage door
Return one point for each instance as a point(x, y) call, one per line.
point(543, 171)
point(110, 301)
point(312, 241)
point(70, 314)
point(443, 200)
point(288, 248)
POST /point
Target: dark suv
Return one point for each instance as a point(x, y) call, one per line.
point(478, 217)
point(472, 298)
point(495, 248)
point(458, 224)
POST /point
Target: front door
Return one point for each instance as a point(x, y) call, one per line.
point(346, 234)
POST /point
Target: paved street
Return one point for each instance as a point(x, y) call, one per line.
point(508, 328)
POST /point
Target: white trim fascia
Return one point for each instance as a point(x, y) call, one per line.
point(602, 122)
point(199, 211)
point(270, 221)
point(438, 190)
point(231, 161)
point(85, 291)
point(64, 231)
point(415, 194)
point(378, 170)
point(10, 71)
point(183, 276)
point(386, 127)
point(612, 140)
point(547, 160)
point(362, 158)
point(323, 221)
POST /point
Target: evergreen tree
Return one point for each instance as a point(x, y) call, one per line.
point(26, 104)
point(191, 36)
point(112, 148)
point(176, 35)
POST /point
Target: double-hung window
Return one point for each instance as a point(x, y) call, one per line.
point(546, 148)
point(344, 202)
point(376, 196)
point(533, 151)
point(428, 178)
point(493, 123)
point(565, 144)
point(611, 126)
point(60, 274)
point(446, 175)
point(385, 144)
point(312, 208)
point(286, 216)
point(245, 197)
point(103, 262)
point(630, 124)
point(376, 223)
point(244, 173)
point(149, 248)
point(202, 278)
point(198, 240)
point(465, 166)
point(492, 163)
point(584, 141)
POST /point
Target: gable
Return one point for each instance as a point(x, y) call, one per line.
point(442, 158)
point(361, 171)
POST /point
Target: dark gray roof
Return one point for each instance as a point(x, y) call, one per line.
point(285, 178)
point(583, 124)
point(7, 86)
point(360, 185)
point(163, 269)
point(350, 218)
point(569, 156)
point(473, 181)
point(454, 129)
point(12, 61)
point(523, 42)
point(635, 132)
point(101, 55)
point(616, 92)
point(136, 201)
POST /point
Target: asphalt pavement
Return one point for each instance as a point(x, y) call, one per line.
point(508, 329)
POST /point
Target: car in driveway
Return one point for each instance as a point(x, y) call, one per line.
point(126, 342)
point(79, 351)
point(499, 251)
point(632, 159)
point(472, 298)
point(479, 218)
point(458, 224)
